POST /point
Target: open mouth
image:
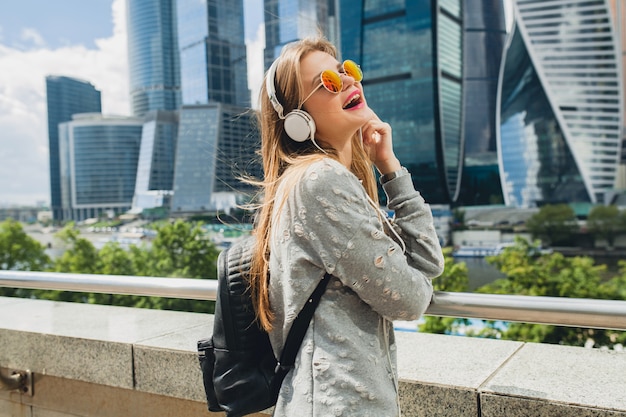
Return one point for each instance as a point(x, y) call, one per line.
point(354, 100)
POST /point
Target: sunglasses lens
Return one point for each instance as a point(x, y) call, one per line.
point(352, 69)
point(332, 81)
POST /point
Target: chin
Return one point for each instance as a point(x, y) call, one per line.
point(363, 113)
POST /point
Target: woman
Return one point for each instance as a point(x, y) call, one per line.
point(320, 215)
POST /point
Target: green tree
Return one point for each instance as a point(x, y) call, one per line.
point(530, 273)
point(142, 260)
point(453, 278)
point(80, 255)
point(182, 249)
point(553, 224)
point(605, 222)
point(114, 260)
point(19, 252)
point(615, 288)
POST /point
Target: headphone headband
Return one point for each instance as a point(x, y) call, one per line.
point(270, 86)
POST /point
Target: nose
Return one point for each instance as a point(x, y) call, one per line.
point(346, 80)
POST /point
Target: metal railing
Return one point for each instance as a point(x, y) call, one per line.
point(560, 311)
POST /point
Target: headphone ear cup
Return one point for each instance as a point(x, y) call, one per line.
point(299, 125)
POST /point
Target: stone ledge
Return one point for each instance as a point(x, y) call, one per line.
point(153, 352)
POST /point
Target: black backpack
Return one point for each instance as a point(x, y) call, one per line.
point(240, 373)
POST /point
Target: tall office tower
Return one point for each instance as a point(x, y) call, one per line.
point(216, 141)
point(484, 35)
point(561, 104)
point(289, 20)
point(65, 96)
point(411, 54)
point(153, 55)
point(98, 161)
point(155, 93)
point(155, 170)
point(216, 145)
point(213, 52)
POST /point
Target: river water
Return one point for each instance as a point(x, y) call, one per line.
point(480, 272)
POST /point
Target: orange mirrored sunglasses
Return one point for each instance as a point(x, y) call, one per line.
point(331, 79)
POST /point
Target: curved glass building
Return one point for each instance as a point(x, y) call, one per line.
point(618, 8)
point(560, 104)
point(153, 55)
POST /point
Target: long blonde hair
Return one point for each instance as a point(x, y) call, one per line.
point(279, 153)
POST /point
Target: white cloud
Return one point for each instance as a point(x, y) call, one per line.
point(254, 48)
point(24, 175)
point(33, 37)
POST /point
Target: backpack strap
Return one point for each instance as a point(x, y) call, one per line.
point(299, 328)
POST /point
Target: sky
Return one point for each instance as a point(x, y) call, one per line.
point(85, 39)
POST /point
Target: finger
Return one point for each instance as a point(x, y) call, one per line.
point(378, 133)
point(374, 126)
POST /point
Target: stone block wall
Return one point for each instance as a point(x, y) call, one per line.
point(91, 360)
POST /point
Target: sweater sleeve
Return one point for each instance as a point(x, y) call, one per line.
point(333, 223)
point(413, 221)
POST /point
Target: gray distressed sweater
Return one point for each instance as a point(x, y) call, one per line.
point(347, 363)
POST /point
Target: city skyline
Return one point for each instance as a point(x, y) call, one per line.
point(24, 169)
point(31, 49)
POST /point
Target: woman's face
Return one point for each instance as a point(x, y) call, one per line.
point(337, 116)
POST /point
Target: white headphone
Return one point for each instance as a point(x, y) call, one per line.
point(299, 125)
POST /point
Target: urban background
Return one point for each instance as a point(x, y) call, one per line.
point(509, 114)
point(482, 115)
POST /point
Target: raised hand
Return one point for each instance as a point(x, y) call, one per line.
point(378, 143)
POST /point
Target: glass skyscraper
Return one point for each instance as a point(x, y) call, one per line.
point(484, 35)
point(153, 55)
point(65, 96)
point(561, 104)
point(155, 94)
point(155, 170)
point(98, 160)
point(289, 20)
point(411, 53)
point(216, 135)
point(216, 145)
point(213, 52)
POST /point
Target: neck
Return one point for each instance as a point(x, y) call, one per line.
point(343, 149)
point(345, 154)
